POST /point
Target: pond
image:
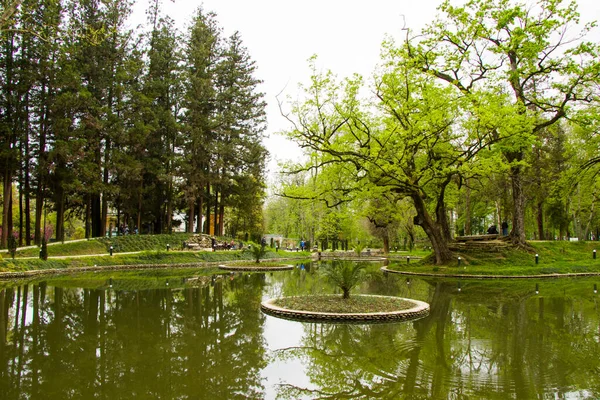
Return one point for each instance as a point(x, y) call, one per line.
point(169, 335)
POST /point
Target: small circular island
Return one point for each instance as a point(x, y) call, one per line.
point(262, 267)
point(357, 309)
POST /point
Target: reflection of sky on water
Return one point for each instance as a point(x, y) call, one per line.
point(492, 340)
point(281, 334)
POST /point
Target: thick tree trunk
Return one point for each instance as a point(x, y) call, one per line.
point(467, 208)
point(518, 229)
point(441, 214)
point(433, 230)
point(386, 244)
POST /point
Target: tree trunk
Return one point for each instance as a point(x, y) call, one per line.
point(441, 214)
point(433, 230)
point(27, 201)
point(216, 213)
point(191, 217)
point(27, 185)
point(60, 213)
point(88, 208)
point(199, 226)
point(140, 205)
point(518, 229)
point(386, 244)
point(221, 218)
point(96, 213)
point(105, 178)
point(7, 208)
point(207, 228)
point(467, 208)
point(169, 222)
point(21, 205)
point(540, 219)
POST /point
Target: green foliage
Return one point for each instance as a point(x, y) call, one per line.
point(257, 252)
point(345, 275)
point(358, 248)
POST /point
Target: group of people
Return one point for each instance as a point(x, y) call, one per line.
point(224, 245)
point(492, 230)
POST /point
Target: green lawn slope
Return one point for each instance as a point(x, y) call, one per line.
point(146, 249)
point(554, 257)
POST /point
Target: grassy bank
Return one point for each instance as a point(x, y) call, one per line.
point(151, 249)
point(120, 244)
point(553, 258)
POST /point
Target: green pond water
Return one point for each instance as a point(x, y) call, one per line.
point(168, 335)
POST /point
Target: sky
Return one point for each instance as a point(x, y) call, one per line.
point(281, 35)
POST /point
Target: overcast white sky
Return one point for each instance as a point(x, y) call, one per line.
point(282, 34)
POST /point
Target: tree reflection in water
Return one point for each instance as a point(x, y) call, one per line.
point(492, 341)
point(203, 342)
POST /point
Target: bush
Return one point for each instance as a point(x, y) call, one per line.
point(345, 274)
point(358, 248)
point(257, 252)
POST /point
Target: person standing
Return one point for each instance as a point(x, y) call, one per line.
point(504, 228)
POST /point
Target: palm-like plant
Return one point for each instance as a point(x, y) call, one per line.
point(358, 248)
point(258, 252)
point(345, 275)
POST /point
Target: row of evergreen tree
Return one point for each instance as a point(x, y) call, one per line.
point(97, 118)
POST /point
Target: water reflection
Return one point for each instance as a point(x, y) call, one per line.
point(491, 340)
point(494, 339)
point(203, 342)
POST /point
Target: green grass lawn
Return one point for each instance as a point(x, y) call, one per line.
point(554, 257)
point(151, 250)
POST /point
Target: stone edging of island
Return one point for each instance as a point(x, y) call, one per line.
point(467, 276)
point(419, 310)
point(351, 258)
point(258, 268)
